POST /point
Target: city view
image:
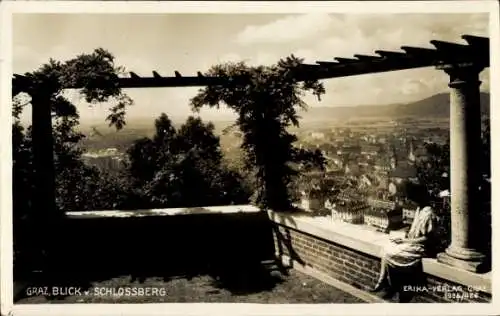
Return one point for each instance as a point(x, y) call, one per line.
point(368, 156)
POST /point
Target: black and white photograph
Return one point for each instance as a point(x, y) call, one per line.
point(265, 155)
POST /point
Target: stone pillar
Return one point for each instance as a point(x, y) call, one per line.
point(465, 142)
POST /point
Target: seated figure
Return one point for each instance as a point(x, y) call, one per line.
point(402, 257)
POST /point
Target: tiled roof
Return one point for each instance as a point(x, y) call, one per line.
point(351, 205)
point(381, 204)
point(409, 205)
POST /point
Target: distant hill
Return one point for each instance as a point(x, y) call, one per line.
point(436, 106)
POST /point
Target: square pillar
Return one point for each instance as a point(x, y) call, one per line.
point(44, 210)
point(465, 147)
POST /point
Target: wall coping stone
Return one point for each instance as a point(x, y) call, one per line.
point(370, 241)
point(225, 209)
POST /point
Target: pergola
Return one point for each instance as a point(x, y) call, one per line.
point(462, 62)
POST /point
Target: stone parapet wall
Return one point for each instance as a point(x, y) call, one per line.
point(237, 237)
point(352, 256)
point(163, 242)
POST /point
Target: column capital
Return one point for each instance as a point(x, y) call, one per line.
point(462, 73)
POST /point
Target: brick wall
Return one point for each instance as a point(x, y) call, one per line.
point(339, 262)
point(356, 268)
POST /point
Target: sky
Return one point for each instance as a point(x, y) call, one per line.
point(193, 42)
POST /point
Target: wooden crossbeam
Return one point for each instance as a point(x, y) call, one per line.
point(419, 52)
point(390, 54)
point(471, 38)
point(453, 52)
point(449, 48)
point(477, 42)
point(328, 63)
point(313, 67)
point(20, 79)
point(151, 82)
point(336, 70)
point(346, 60)
point(19, 84)
point(367, 57)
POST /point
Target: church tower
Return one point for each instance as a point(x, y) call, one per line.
point(393, 157)
point(411, 153)
point(347, 170)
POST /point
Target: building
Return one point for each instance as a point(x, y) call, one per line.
point(408, 211)
point(370, 150)
point(317, 135)
point(403, 168)
point(350, 211)
point(383, 214)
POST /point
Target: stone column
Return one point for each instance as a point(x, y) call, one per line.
point(465, 142)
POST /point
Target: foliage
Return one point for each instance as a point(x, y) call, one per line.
point(430, 174)
point(266, 106)
point(486, 147)
point(184, 167)
point(97, 75)
point(22, 171)
point(433, 171)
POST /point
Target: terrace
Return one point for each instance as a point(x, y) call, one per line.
point(232, 253)
point(343, 255)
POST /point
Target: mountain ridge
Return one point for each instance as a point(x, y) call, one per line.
point(436, 106)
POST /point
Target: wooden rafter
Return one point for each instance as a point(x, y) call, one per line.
point(367, 57)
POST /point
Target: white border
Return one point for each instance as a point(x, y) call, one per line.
point(465, 6)
point(6, 285)
point(9, 7)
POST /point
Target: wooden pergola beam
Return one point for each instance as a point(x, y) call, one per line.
point(353, 69)
point(329, 64)
point(391, 54)
point(477, 42)
point(165, 82)
point(450, 48)
point(368, 57)
point(421, 53)
point(453, 52)
point(343, 60)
